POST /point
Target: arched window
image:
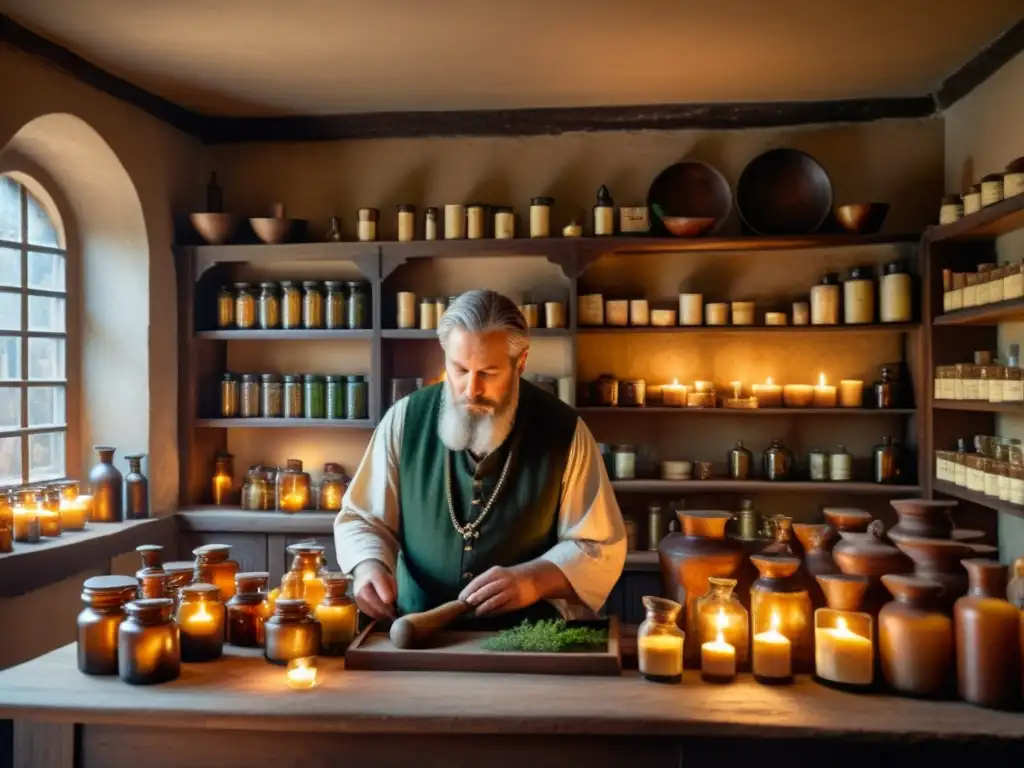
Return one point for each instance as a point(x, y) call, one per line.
point(33, 339)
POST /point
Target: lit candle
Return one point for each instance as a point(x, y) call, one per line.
point(717, 657)
point(843, 656)
point(660, 658)
point(49, 524)
point(851, 393)
point(202, 622)
point(221, 489)
point(798, 395)
point(73, 513)
point(293, 502)
point(824, 395)
point(703, 386)
point(773, 655)
point(769, 395)
point(200, 617)
point(301, 674)
point(674, 395)
point(737, 389)
point(26, 525)
point(312, 588)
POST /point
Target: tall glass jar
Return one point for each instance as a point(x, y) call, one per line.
point(292, 404)
point(335, 397)
point(248, 610)
point(148, 643)
point(291, 305)
point(245, 306)
point(308, 564)
point(313, 396)
point(337, 614)
point(225, 308)
point(291, 633)
point(357, 392)
point(257, 491)
point(778, 601)
point(230, 395)
point(312, 305)
point(223, 480)
point(719, 611)
point(269, 306)
point(200, 617)
point(335, 315)
point(249, 402)
point(358, 305)
point(332, 487)
point(659, 641)
point(293, 488)
point(104, 598)
point(271, 396)
point(214, 566)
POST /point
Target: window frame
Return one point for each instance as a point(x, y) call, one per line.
point(24, 384)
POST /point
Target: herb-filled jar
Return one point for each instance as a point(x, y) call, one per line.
point(213, 565)
point(200, 617)
point(334, 398)
point(257, 491)
point(333, 485)
point(292, 487)
point(338, 616)
point(859, 297)
point(292, 403)
point(269, 306)
point(245, 306)
point(230, 394)
point(104, 598)
point(504, 223)
point(334, 305)
point(291, 305)
point(225, 308)
point(312, 305)
point(271, 396)
point(406, 223)
point(357, 391)
point(248, 610)
point(476, 221)
point(148, 643)
point(291, 633)
point(366, 225)
point(430, 224)
point(249, 401)
point(540, 216)
point(313, 396)
point(358, 305)
point(825, 301)
point(894, 294)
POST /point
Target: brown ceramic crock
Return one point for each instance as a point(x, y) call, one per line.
point(915, 638)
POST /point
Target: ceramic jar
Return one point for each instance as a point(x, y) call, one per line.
point(868, 554)
point(939, 560)
point(782, 527)
point(915, 637)
point(847, 519)
point(815, 539)
point(923, 518)
point(987, 631)
point(690, 558)
point(106, 483)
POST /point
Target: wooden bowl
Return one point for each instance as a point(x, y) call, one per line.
point(214, 228)
point(274, 230)
point(862, 218)
point(691, 193)
point(784, 192)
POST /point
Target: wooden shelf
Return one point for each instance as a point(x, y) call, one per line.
point(872, 328)
point(642, 561)
point(986, 224)
point(986, 314)
point(261, 423)
point(213, 519)
point(416, 333)
point(749, 412)
point(363, 255)
point(978, 406)
point(278, 334)
point(981, 499)
point(749, 486)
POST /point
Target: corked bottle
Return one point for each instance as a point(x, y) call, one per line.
point(98, 623)
point(988, 652)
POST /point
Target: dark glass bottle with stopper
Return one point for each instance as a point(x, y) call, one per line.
point(136, 489)
point(885, 461)
point(886, 390)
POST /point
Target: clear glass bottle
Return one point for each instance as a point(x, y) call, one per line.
point(200, 617)
point(248, 610)
point(334, 305)
point(312, 305)
point(269, 306)
point(230, 395)
point(337, 614)
point(214, 566)
point(293, 488)
point(659, 641)
point(245, 306)
point(148, 643)
point(98, 623)
point(225, 308)
point(720, 611)
point(291, 305)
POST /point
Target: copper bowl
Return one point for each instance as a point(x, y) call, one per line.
point(685, 226)
point(275, 230)
point(689, 199)
point(214, 228)
point(862, 218)
point(784, 192)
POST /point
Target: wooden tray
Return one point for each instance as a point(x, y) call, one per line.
point(461, 652)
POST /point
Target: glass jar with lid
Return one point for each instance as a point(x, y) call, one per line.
point(308, 564)
point(214, 566)
point(104, 598)
point(337, 614)
point(293, 487)
point(269, 306)
point(659, 641)
point(312, 305)
point(291, 305)
point(179, 575)
point(334, 399)
point(719, 612)
point(291, 632)
point(200, 617)
point(358, 304)
point(313, 396)
point(148, 643)
point(332, 487)
point(230, 395)
point(292, 391)
point(257, 491)
point(248, 610)
point(335, 315)
point(271, 396)
point(885, 390)
point(225, 308)
point(249, 399)
point(245, 306)
point(624, 462)
point(859, 297)
point(357, 392)
point(825, 301)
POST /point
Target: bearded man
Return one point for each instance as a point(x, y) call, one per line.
point(482, 488)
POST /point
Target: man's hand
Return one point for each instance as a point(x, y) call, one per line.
point(502, 590)
point(375, 589)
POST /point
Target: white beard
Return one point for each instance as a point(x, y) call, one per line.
point(461, 429)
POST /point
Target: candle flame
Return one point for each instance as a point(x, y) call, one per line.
point(675, 382)
point(201, 616)
point(774, 622)
point(720, 638)
point(769, 381)
point(822, 381)
point(721, 621)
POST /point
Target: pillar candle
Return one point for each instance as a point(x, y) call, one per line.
point(660, 657)
point(26, 526)
point(773, 655)
point(49, 524)
point(824, 395)
point(851, 393)
point(843, 656)
point(768, 395)
point(798, 395)
point(717, 660)
point(73, 514)
point(674, 395)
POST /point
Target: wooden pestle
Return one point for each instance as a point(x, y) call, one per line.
point(414, 629)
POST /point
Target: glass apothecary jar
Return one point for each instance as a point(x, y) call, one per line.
point(308, 563)
point(291, 305)
point(779, 601)
point(291, 633)
point(334, 397)
point(248, 610)
point(844, 650)
point(98, 623)
point(148, 643)
point(230, 396)
point(271, 396)
point(249, 397)
point(312, 305)
point(200, 617)
point(293, 488)
point(214, 566)
point(333, 485)
point(358, 305)
point(357, 392)
point(258, 493)
point(337, 614)
point(269, 306)
point(245, 306)
point(314, 396)
point(334, 305)
point(179, 575)
point(719, 611)
point(225, 308)
point(659, 641)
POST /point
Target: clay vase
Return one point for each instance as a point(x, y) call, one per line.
point(690, 558)
point(815, 539)
point(107, 486)
point(778, 592)
point(939, 560)
point(782, 543)
point(987, 630)
point(868, 554)
point(923, 518)
point(915, 638)
point(847, 519)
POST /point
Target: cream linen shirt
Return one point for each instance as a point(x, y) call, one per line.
point(591, 547)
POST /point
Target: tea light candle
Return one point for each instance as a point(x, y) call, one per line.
point(73, 513)
point(49, 524)
point(768, 395)
point(798, 395)
point(200, 617)
point(660, 658)
point(824, 395)
point(851, 393)
point(26, 526)
point(843, 656)
point(773, 656)
point(717, 657)
point(674, 395)
point(301, 674)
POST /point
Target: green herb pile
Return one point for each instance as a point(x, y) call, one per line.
point(547, 636)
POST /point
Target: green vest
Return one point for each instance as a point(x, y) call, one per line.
point(434, 566)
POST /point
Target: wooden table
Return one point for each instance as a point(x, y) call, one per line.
point(238, 712)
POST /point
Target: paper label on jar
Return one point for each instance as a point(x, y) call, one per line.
point(991, 484)
point(1013, 390)
point(1013, 184)
point(940, 469)
point(591, 309)
point(975, 480)
point(981, 293)
point(1013, 286)
point(960, 474)
point(970, 296)
point(938, 389)
point(947, 301)
point(982, 389)
point(1004, 488)
point(841, 467)
point(950, 213)
point(995, 391)
point(995, 290)
point(604, 220)
point(958, 389)
point(991, 192)
point(972, 203)
point(956, 299)
point(1016, 490)
point(970, 389)
point(948, 389)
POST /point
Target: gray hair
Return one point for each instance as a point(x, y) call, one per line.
point(484, 311)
